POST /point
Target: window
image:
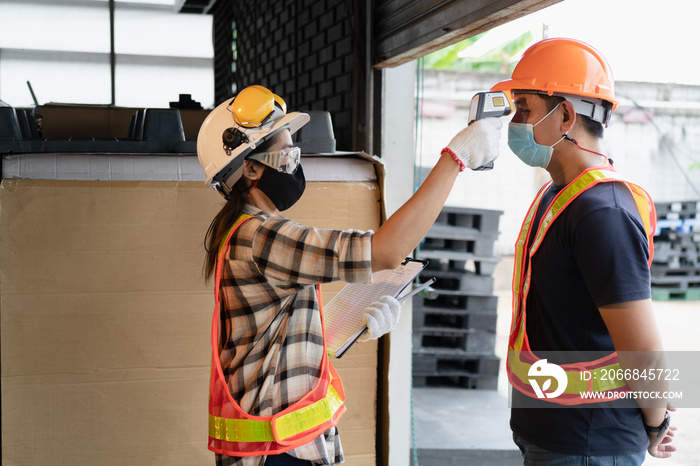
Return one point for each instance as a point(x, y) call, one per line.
point(63, 48)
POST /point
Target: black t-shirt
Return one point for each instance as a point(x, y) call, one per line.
point(594, 254)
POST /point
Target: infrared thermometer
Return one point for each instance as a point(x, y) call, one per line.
point(488, 105)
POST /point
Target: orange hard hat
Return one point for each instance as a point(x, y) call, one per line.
point(563, 66)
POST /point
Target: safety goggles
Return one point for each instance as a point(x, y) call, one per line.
point(284, 161)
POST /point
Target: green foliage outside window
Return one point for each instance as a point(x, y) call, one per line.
point(501, 59)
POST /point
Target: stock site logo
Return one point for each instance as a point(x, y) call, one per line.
point(544, 369)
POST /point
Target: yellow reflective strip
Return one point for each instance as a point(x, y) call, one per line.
point(642, 201)
point(309, 417)
point(240, 430)
point(563, 199)
point(603, 382)
point(518, 343)
point(517, 367)
point(289, 425)
point(222, 246)
point(522, 238)
point(575, 384)
point(519, 257)
point(643, 208)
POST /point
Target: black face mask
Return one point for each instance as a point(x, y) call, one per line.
point(284, 190)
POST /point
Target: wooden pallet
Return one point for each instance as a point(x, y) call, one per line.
point(674, 294)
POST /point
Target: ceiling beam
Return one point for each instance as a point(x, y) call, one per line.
point(410, 29)
point(194, 6)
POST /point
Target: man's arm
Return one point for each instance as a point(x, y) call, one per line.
point(636, 337)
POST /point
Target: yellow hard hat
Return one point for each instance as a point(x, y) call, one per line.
point(254, 105)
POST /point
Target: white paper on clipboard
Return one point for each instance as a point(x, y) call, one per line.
point(343, 314)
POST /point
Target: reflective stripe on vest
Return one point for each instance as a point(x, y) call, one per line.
point(288, 425)
point(520, 357)
point(234, 432)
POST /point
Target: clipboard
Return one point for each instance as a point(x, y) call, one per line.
point(343, 314)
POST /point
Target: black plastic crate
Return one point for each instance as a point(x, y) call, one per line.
point(460, 239)
point(447, 260)
point(472, 341)
point(482, 220)
point(438, 363)
point(448, 318)
point(677, 209)
point(462, 282)
point(472, 382)
point(460, 301)
point(677, 254)
point(676, 282)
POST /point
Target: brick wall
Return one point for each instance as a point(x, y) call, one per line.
point(301, 49)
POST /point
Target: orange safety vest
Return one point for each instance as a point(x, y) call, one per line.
point(234, 432)
point(520, 357)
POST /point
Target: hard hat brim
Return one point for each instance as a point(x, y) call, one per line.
point(513, 85)
point(294, 121)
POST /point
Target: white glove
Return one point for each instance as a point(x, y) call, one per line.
point(477, 144)
point(380, 317)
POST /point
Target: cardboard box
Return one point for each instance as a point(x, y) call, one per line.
point(105, 317)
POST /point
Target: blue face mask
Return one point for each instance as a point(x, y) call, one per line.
point(521, 140)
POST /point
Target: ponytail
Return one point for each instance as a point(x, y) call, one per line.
point(228, 215)
point(218, 228)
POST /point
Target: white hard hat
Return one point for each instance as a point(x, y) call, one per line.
point(235, 128)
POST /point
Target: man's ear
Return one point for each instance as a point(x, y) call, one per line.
point(569, 116)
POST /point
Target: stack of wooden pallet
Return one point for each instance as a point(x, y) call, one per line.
point(454, 334)
point(675, 270)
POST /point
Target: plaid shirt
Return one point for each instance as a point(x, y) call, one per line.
point(271, 341)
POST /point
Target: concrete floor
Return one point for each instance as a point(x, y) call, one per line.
point(460, 426)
